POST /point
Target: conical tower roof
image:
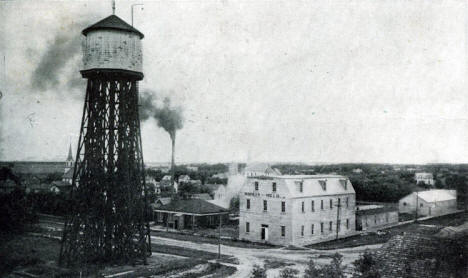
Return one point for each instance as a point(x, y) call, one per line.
point(112, 22)
point(70, 156)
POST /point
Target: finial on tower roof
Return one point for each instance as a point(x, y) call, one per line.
point(113, 6)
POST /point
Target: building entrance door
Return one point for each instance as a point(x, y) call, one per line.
point(264, 232)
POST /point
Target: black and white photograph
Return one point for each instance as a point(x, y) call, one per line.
point(234, 138)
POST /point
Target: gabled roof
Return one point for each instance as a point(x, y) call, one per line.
point(164, 200)
point(437, 195)
point(192, 206)
point(112, 22)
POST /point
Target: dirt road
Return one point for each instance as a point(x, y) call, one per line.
point(249, 257)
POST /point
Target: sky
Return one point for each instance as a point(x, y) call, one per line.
point(285, 81)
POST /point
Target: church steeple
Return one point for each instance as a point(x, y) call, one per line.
point(70, 156)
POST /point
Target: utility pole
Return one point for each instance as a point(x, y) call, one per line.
point(219, 238)
point(416, 211)
point(338, 206)
point(133, 5)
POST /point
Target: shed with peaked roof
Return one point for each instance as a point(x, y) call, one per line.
point(190, 213)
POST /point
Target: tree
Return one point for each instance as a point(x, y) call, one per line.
point(334, 269)
point(234, 205)
point(258, 272)
point(289, 273)
point(365, 266)
point(311, 271)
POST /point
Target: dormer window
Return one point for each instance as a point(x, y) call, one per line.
point(323, 184)
point(344, 183)
point(300, 186)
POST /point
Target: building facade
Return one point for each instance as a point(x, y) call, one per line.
point(429, 203)
point(296, 210)
point(374, 217)
point(426, 178)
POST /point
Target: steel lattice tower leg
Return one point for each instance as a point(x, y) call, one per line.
point(108, 220)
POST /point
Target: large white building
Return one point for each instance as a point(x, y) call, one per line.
point(296, 210)
point(429, 203)
point(426, 178)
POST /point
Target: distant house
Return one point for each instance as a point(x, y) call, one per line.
point(192, 168)
point(60, 187)
point(150, 181)
point(370, 217)
point(426, 178)
point(357, 170)
point(429, 203)
point(184, 178)
point(166, 183)
point(260, 169)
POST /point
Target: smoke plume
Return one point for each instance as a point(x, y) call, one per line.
point(61, 61)
point(168, 117)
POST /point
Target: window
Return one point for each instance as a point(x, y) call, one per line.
point(300, 186)
point(404, 204)
point(330, 228)
point(248, 203)
point(323, 184)
point(321, 227)
point(347, 201)
point(313, 206)
point(338, 225)
point(283, 231)
point(247, 227)
point(344, 183)
point(265, 205)
point(375, 219)
point(386, 217)
point(312, 229)
point(302, 230)
point(303, 210)
point(273, 187)
point(321, 204)
point(331, 203)
point(339, 202)
point(283, 206)
point(421, 205)
point(256, 186)
point(347, 223)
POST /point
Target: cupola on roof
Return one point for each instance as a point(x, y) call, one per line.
point(112, 22)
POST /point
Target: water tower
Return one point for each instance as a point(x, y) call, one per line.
point(107, 220)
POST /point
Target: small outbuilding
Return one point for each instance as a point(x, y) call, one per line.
point(374, 217)
point(429, 203)
point(189, 214)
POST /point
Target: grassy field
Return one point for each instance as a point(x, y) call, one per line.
point(38, 256)
point(375, 238)
point(196, 254)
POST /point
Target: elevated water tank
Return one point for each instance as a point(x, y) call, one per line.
point(112, 44)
